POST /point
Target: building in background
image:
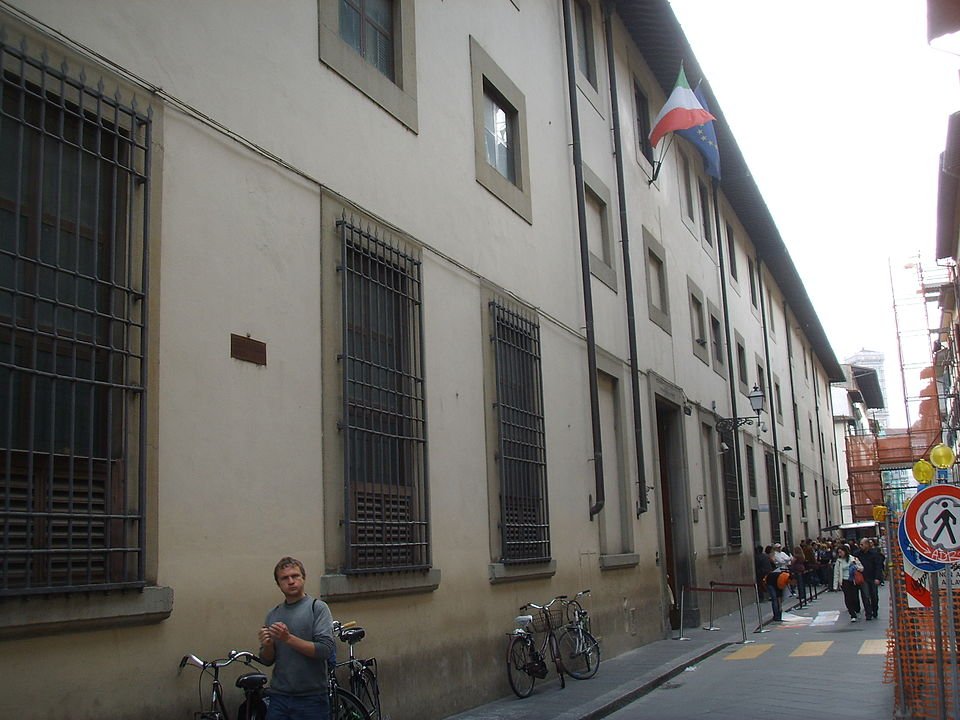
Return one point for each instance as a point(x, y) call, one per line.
point(875, 361)
point(387, 287)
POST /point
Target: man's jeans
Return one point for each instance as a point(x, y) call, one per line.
point(304, 707)
point(775, 600)
point(871, 599)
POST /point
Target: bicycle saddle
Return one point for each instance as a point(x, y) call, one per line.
point(352, 635)
point(251, 681)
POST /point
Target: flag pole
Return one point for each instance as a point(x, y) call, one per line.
point(659, 163)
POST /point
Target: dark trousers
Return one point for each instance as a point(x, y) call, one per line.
point(776, 603)
point(851, 597)
point(870, 592)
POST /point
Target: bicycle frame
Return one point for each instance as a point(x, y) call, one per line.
point(362, 679)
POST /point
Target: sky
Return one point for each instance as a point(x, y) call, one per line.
point(840, 109)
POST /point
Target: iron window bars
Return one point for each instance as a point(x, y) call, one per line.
point(73, 260)
point(384, 408)
point(524, 520)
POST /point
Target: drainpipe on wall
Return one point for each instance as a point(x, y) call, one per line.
point(627, 266)
point(584, 262)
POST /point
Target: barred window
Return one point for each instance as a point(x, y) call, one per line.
point(73, 237)
point(384, 415)
point(524, 521)
point(732, 494)
point(773, 497)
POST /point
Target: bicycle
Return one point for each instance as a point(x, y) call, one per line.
point(578, 647)
point(525, 661)
point(254, 706)
point(362, 680)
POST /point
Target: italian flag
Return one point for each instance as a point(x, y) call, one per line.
point(681, 112)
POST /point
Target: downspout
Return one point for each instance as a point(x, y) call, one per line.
point(731, 381)
point(584, 262)
point(777, 473)
point(627, 266)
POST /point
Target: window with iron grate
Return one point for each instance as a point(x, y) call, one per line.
point(384, 422)
point(524, 517)
point(72, 331)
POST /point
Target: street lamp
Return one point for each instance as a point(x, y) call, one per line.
point(757, 399)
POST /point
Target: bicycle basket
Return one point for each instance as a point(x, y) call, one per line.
point(553, 614)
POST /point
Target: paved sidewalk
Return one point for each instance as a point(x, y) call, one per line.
point(624, 678)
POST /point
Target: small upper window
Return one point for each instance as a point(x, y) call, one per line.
point(499, 133)
point(753, 282)
point(372, 44)
point(367, 26)
point(643, 122)
point(500, 136)
point(583, 24)
point(687, 180)
point(705, 212)
point(731, 252)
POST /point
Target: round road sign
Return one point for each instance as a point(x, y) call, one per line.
point(932, 523)
point(911, 556)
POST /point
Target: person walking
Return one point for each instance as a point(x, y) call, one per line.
point(798, 571)
point(767, 580)
point(872, 562)
point(843, 570)
point(297, 638)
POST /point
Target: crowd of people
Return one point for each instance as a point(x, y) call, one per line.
point(854, 568)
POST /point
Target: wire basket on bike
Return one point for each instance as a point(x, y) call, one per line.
point(552, 615)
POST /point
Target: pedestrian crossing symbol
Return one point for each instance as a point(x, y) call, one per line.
point(932, 523)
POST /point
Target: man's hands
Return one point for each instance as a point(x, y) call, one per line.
point(278, 632)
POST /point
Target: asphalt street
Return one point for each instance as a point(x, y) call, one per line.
point(816, 664)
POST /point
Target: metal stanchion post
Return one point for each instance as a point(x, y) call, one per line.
point(681, 637)
point(952, 639)
point(760, 627)
point(710, 625)
point(743, 622)
point(938, 645)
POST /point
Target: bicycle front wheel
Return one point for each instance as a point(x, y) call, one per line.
point(580, 652)
point(519, 658)
point(345, 705)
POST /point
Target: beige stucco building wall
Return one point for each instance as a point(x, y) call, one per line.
point(259, 148)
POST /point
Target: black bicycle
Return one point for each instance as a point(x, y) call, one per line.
point(252, 683)
point(578, 647)
point(526, 662)
point(361, 673)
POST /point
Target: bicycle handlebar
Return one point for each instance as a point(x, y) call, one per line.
point(542, 607)
point(244, 656)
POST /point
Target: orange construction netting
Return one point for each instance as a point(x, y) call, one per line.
point(920, 654)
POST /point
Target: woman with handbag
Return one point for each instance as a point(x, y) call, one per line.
point(844, 577)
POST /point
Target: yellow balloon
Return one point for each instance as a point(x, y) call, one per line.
point(923, 472)
point(942, 456)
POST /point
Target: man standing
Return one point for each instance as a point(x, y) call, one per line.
point(767, 580)
point(872, 562)
point(297, 637)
